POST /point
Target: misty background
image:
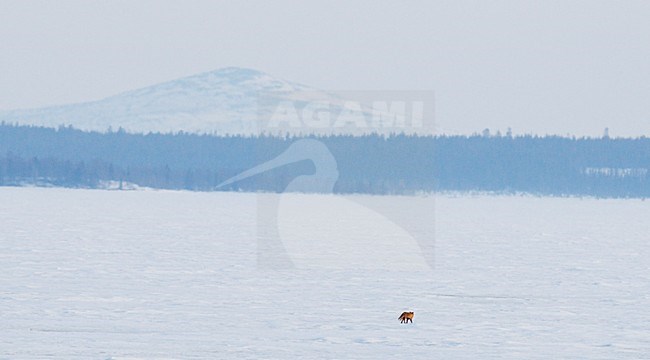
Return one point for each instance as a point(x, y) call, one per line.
point(552, 67)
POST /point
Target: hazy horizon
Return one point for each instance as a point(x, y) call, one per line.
point(543, 68)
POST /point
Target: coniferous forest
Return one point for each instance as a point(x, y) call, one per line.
point(398, 164)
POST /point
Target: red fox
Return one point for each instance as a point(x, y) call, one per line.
point(405, 317)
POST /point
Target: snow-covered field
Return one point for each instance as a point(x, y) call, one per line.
point(95, 274)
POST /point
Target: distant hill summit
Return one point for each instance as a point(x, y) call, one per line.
point(224, 101)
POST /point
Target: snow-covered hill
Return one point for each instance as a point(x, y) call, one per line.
point(229, 100)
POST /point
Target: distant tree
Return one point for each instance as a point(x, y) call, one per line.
point(369, 164)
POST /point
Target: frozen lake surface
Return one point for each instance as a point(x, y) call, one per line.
point(91, 274)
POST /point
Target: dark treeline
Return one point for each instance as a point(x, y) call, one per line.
point(399, 164)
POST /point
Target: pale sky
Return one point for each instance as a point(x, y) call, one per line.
point(538, 67)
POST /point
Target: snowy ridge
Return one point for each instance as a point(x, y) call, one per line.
point(220, 101)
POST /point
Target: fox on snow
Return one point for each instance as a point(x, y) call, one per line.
point(405, 317)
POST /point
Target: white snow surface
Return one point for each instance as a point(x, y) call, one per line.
point(99, 274)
